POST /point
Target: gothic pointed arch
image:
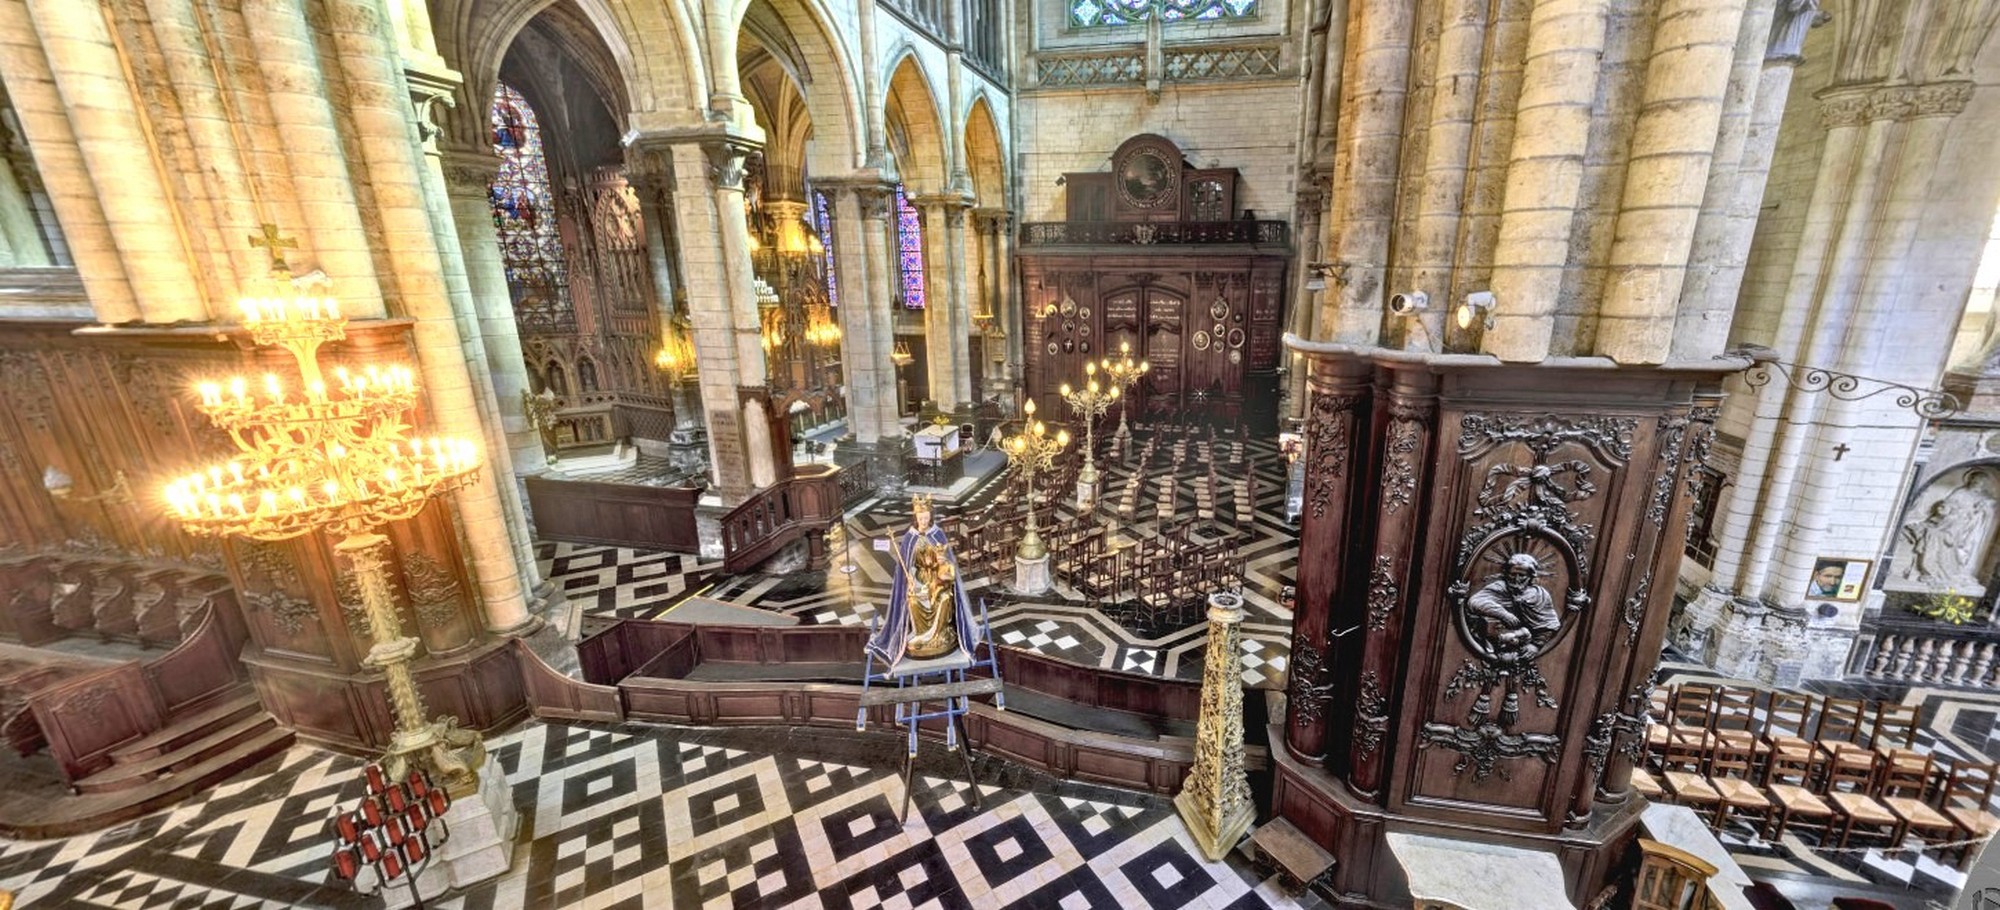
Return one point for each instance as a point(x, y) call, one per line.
point(915, 127)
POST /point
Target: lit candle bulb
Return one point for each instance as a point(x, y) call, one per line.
point(389, 475)
point(317, 390)
point(215, 505)
point(311, 306)
point(273, 388)
point(236, 503)
point(267, 503)
point(214, 476)
point(236, 471)
point(211, 393)
point(297, 496)
point(331, 489)
point(332, 308)
point(249, 307)
point(238, 388)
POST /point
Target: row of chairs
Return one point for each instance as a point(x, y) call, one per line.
point(1776, 759)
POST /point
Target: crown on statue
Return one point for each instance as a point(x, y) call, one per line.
point(920, 502)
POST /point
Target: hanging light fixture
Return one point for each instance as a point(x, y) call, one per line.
point(900, 355)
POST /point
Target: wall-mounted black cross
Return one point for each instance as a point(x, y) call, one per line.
point(1840, 451)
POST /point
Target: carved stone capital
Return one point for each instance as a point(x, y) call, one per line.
point(726, 158)
point(1939, 99)
point(1843, 108)
point(469, 171)
point(428, 93)
point(990, 221)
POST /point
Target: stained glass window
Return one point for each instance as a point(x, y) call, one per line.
point(910, 250)
point(822, 222)
point(1084, 13)
point(524, 217)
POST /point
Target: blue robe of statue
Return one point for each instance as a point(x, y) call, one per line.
point(892, 638)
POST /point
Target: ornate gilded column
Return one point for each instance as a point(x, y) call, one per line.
point(1214, 801)
point(1334, 433)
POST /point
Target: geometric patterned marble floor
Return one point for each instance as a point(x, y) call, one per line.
point(634, 817)
point(612, 582)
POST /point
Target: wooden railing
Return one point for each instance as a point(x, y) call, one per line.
point(775, 516)
point(614, 514)
point(1150, 233)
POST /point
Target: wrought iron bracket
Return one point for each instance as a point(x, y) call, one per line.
point(1930, 404)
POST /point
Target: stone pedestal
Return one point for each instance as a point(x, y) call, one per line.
point(483, 824)
point(1086, 494)
point(1031, 576)
point(1214, 801)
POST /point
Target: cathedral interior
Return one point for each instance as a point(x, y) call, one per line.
point(1477, 454)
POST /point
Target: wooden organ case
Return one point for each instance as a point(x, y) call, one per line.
point(1152, 253)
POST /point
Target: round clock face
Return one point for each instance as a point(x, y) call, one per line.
point(1235, 357)
point(1201, 341)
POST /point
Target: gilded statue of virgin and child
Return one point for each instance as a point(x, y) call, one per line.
point(928, 611)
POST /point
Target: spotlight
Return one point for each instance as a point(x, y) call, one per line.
point(1409, 303)
point(1478, 307)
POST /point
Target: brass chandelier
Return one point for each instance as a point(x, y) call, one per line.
point(341, 460)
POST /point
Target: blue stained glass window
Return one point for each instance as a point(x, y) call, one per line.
point(524, 217)
point(1085, 13)
point(822, 219)
point(910, 250)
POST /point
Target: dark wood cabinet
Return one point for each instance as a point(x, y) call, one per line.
point(1152, 256)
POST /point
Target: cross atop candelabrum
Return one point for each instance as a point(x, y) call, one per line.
point(1030, 451)
point(1089, 403)
point(1122, 373)
point(342, 461)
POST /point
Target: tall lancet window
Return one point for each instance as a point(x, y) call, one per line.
point(1085, 13)
point(822, 222)
point(910, 250)
point(524, 216)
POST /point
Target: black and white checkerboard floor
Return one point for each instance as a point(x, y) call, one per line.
point(615, 583)
point(632, 817)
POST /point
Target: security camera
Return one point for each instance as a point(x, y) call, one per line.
point(1409, 302)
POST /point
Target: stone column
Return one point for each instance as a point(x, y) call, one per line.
point(497, 384)
point(714, 241)
point(868, 371)
point(1673, 143)
point(1747, 136)
point(468, 175)
point(45, 129)
point(404, 185)
point(139, 205)
point(992, 226)
point(1365, 169)
point(688, 443)
point(308, 137)
point(1214, 801)
point(1303, 320)
point(946, 313)
point(1544, 175)
point(878, 225)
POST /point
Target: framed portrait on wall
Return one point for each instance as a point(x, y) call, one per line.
point(1838, 578)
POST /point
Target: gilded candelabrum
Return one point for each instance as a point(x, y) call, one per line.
point(339, 460)
point(1122, 373)
point(1089, 403)
point(1030, 451)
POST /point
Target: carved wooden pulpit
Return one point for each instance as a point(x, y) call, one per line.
point(1487, 558)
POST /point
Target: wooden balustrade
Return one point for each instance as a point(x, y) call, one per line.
point(804, 505)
